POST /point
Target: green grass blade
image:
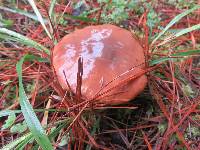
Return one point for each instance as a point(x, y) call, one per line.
point(4, 113)
point(158, 61)
point(6, 22)
point(187, 53)
point(53, 2)
point(175, 20)
point(179, 54)
point(180, 33)
point(23, 39)
point(14, 143)
point(29, 115)
point(187, 30)
point(61, 125)
point(40, 18)
point(22, 12)
point(9, 121)
point(21, 145)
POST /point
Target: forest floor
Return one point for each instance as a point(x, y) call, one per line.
point(34, 109)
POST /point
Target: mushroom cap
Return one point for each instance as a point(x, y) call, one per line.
point(107, 51)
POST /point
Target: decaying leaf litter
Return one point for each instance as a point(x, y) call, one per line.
point(167, 114)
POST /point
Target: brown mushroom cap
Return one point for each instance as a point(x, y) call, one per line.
point(107, 52)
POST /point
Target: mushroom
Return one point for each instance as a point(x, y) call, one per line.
point(108, 52)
